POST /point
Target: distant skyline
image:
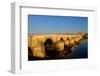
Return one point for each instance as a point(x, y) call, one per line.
point(42, 24)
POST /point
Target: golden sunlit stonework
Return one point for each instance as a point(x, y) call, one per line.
point(37, 42)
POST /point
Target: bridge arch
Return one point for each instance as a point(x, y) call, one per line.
point(50, 49)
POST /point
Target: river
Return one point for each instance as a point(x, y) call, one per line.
point(81, 51)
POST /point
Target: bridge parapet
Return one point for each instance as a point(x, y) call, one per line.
point(39, 39)
point(36, 42)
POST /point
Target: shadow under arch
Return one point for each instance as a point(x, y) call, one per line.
point(48, 41)
point(50, 49)
point(61, 39)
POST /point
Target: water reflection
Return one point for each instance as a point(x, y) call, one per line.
point(78, 50)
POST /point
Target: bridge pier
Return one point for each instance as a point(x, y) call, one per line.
point(40, 44)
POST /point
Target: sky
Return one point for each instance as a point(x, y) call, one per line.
point(42, 24)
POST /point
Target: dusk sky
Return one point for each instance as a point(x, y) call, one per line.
point(39, 24)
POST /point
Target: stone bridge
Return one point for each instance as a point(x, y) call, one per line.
point(36, 43)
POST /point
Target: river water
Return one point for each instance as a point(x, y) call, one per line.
point(81, 51)
point(78, 52)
